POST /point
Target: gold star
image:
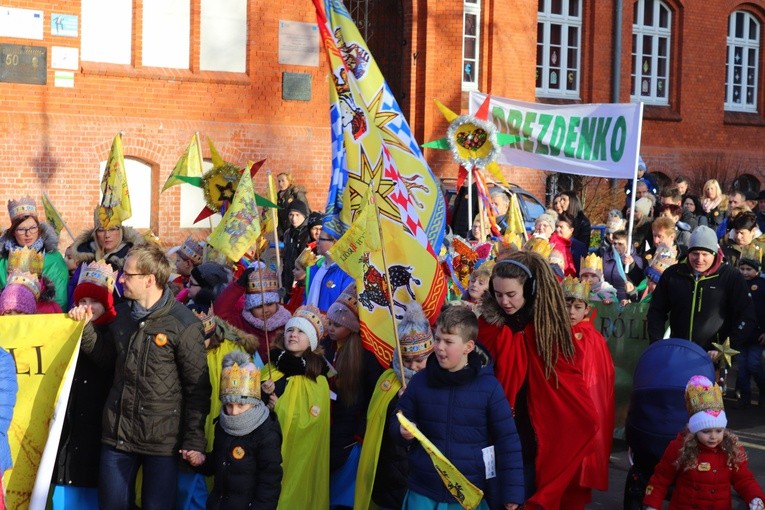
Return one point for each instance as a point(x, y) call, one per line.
point(726, 352)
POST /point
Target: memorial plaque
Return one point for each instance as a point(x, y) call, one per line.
point(23, 64)
point(296, 86)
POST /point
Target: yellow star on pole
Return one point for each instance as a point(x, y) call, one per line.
point(726, 352)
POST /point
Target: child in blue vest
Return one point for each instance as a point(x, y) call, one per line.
point(460, 406)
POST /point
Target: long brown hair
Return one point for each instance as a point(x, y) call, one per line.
point(314, 363)
point(349, 364)
point(689, 452)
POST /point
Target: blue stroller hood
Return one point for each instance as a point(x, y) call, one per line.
point(657, 404)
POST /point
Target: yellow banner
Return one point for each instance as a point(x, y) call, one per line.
point(466, 494)
point(240, 226)
point(42, 347)
point(115, 201)
point(189, 165)
point(51, 214)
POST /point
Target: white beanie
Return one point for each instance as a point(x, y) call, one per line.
point(705, 405)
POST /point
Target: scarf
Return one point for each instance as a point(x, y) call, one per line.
point(288, 364)
point(12, 245)
point(242, 424)
point(708, 204)
point(619, 264)
point(138, 312)
point(520, 319)
point(408, 372)
point(276, 321)
point(439, 377)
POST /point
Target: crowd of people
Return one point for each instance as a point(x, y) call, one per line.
point(231, 385)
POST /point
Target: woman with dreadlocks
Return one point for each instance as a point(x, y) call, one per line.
point(525, 327)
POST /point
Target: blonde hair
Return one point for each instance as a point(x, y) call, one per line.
point(713, 184)
point(689, 452)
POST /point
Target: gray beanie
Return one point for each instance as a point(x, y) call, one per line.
point(703, 238)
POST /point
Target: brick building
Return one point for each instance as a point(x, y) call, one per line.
point(155, 71)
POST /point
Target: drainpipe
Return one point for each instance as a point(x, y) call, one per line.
point(616, 60)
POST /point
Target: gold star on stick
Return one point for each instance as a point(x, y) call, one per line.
point(726, 352)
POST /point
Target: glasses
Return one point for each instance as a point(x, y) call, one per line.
point(128, 275)
point(328, 239)
point(27, 231)
point(111, 230)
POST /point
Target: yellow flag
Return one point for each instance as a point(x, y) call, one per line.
point(514, 217)
point(52, 216)
point(270, 217)
point(42, 347)
point(190, 164)
point(240, 226)
point(467, 495)
point(359, 240)
point(115, 200)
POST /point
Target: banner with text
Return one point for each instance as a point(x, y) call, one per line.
point(600, 140)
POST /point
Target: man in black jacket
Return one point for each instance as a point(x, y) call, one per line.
point(706, 301)
point(160, 395)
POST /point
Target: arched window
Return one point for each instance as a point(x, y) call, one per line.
point(742, 62)
point(651, 37)
point(141, 188)
point(559, 44)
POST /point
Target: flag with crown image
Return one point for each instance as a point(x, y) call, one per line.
point(373, 147)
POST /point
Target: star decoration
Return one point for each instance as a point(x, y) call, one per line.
point(374, 174)
point(226, 193)
point(726, 353)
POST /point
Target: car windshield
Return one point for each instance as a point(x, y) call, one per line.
point(533, 208)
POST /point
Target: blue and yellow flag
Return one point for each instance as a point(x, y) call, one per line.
point(372, 142)
point(115, 200)
point(240, 226)
point(189, 165)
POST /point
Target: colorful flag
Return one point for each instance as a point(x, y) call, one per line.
point(270, 218)
point(190, 164)
point(115, 200)
point(52, 216)
point(240, 226)
point(466, 494)
point(371, 142)
point(359, 242)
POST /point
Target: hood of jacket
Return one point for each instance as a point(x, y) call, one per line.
point(47, 233)
point(225, 330)
point(85, 243)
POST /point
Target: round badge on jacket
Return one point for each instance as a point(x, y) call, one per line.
point(238, 453)
point(160, 339)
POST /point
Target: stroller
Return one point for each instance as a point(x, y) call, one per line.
point(657, 407)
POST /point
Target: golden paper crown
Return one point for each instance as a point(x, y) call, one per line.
point(26, 259)
point(28, 280)
point(752, 252)
point(348, 298)
point(575, 289)
point(513, 239)
point(700, 396)
point(591, 264)
point(539, 245)
point(98, 273)
point(314, 316)
point(236, 381)
point(262, 280)
point(192, 250)
point(208, 320)
point(22, 207)
point(151, 238)
point(307, 258)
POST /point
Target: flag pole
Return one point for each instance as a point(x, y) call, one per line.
point(634, 182)
point(390, 291)
point(275, 221)
point(262, 303)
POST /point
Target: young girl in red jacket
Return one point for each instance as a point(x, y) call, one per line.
point(704, 460)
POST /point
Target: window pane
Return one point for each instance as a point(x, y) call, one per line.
point(754, 30)
point(648, 13)
point(635, 13)
point(662, 46)
point(645, 87)
point(470, 24)
point(554, 56)
point(139, 177)
point(166, 33)
point(572, 55)
point(556, 7)
point(468, 71)
point(752, 57)
point(223, 45)
point(555, 35)
point(661, 87)
point(663, 17)
point(739, 29)
point(571, 80)
point(539, 77)
point(541, 6)
point(573, 8)
point(553, 80)
point(661, 67)
point(540, 33)
point(647, 45)
point(107, 29)
point(540, 54)
point(469, 47)
point(573, 36)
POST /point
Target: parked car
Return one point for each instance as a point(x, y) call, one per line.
point(531, 206)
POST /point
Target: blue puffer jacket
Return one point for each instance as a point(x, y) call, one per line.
point(462, 413)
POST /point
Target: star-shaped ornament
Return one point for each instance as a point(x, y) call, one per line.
point(726, 353)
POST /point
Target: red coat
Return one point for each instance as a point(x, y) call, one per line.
point(707, 486)
point(560, 410)
point(564, 247)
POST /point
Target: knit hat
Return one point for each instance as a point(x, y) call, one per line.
point(641, 164)
point(20, 294)
point(299, 206)
point(192, 250)
point(664, 256)
point(704, 402)
point(210, 274)
point(97, 282)
point(414, 333)
point(643, 206)
point(22, 207)
point(545, 218)
point(239, 379)
point(615, 221)
point(308, 319)
point(315, 219)
point(262, 288)
point(345, 310)
point(703, 238)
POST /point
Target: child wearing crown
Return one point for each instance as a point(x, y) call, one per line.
point(594, 360)
point(704, 460)
point(591, 271)
point(750, 364)
point(246, 456)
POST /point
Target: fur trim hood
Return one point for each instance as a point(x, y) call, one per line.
point(47, 233)
point(490, 310)
point(224, 330)
point(85, 244)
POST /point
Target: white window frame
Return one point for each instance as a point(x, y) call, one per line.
point(566, 22)
point(471, 8)
point(657, 33)
point(746, 45)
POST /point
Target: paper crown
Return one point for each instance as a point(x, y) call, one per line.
point(539, 245)
point(307, 258)
point(262, 281)
point(192, 250)
point(208, 321)
point(663, 257)
point(26, 279)
point(702, 395)
point(26, 260)
point(238, 383)
point(349, 299)
point(22, 207)
point(591, 264)
point(312, 315)
point(513, 239)
point(575, 289)
point(99, 273)
point(751, 253)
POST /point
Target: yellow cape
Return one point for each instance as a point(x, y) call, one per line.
point(387, 387)
point(303, 411)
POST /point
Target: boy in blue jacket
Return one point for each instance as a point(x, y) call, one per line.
point(750, 364)
point(460, 406)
